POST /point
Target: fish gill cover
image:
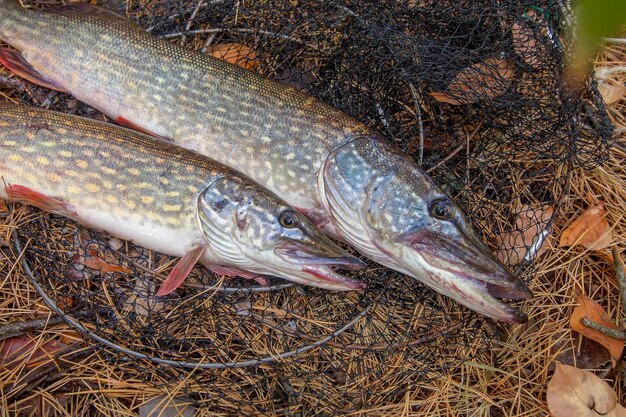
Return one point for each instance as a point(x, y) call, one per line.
point(473, 91)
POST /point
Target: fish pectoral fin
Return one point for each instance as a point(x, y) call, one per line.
point(16, 62)
point(181, 270)
point(122, 121)
point(231, 271)
point(25, 195)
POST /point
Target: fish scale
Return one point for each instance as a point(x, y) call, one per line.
point(179, 94)
point(105, 166)
point(343, 176)
point(152, 192)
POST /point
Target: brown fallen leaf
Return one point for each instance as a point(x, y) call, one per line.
point(27, 351)
point(611, 93)
point(101, 265)
point(164, 406)
point(141, 300)
point(573, 392)
point(589, 309)
point(487, 79)
point(235, 53)
point(588, 354)
point(43, 405)
point(590, 229)
point(526, 46)
point(531, 234)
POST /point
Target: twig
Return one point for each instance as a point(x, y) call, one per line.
point(418, 114)
point(190, 21)
point(20, 327)
point(241, 30)
point(621, 41)
point(175, 15)
point(619, 275)
point(612, 333)
point(456, 150)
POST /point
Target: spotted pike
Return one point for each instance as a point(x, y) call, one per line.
point(161, 197)
point(332, 168)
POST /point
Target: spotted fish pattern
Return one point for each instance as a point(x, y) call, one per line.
point(158, 195)
point(329, 166)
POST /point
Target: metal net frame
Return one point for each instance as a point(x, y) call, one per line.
point(473, 91)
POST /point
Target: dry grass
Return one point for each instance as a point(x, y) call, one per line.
point(508, 380)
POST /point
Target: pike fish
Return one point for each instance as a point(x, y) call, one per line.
point(162, 197)
point(343, 176)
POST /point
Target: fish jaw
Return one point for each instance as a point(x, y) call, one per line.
point(465, 273)
point(381, 203)
point(246, 228)
point(318, 264)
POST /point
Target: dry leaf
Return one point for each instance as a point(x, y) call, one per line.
point(590, 229)
point(235, 53)
point(611, 93)
point(588, 354)
point(43, 405)
point(589, 309)
point(26, 351)
point(573, 392)
point(444, 98)
point(101, 265)
point(142, 300)
point(526, 46)
point(163, 406)
point(486, 79)
point(530, 238)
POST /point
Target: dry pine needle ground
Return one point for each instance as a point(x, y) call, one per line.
point(509, 380)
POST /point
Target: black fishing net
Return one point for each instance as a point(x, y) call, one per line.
point(473, 91)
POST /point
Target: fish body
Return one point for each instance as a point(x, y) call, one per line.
point(332, 168)
point(158, 195)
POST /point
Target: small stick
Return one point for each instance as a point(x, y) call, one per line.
point(612, 333)
point(418, 114)
point(20, 327)
point(615, 40)
point(456, 150)
point(240, 30)
point(190, 21)
point(619, 275)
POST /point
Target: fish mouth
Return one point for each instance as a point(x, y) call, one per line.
point(467, 271)
point(319, 265)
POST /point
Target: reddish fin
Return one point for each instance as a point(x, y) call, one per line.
point(181, 270)
point(130, 125)
point(25, 195)
point(231, 271)
point(85, 9)
point(14, 61)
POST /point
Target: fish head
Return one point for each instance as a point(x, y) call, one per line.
point(383, 204)
point(253, 229)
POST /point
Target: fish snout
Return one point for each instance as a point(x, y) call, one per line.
point(467, 271)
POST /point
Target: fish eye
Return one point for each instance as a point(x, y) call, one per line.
point(441, 209)
point(288, 219)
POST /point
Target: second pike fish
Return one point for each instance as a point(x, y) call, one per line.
point(335, 170)
point(161, 197)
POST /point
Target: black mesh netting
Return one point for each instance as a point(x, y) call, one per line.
point(472, 90)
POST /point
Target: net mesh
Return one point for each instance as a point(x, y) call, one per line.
point(473, 91)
